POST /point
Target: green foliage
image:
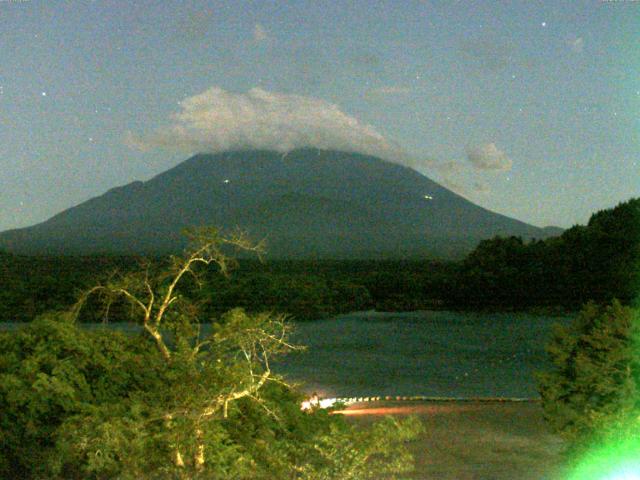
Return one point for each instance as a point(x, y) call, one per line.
point(306, 297)
point(167, 402)
point(306, 290)
point(599, 262)
point(593, 388)
point(32, 286)
point(51, 371)
point(371, 453)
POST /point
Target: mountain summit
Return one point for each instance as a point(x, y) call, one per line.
point(307, 203)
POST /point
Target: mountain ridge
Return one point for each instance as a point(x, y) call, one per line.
point(308, 203)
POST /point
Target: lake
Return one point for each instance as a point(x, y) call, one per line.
point(431, 353)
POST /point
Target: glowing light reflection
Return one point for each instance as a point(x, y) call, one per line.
point(614, 461)
point(318, 403)
point(627, 472)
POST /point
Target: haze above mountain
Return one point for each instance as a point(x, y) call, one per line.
point(307, 203)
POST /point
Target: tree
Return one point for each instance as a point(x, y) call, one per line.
point(593, 386)
point(175, 401)
point(497, 274)
point(600, 261)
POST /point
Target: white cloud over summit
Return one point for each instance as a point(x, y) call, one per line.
point(218, 120)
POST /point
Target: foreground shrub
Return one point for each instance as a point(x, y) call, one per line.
point(170, 402)
point(592, 391)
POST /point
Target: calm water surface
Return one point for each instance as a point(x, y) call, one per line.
point(422, 353)
point(418, 353)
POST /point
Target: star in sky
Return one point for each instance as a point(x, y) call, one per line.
point(468, 76)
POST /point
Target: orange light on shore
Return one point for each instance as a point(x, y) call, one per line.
point(405, 410)
point(374, 411)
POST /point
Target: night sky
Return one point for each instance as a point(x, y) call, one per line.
point(528, 108)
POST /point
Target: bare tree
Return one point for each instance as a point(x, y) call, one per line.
point(230, 364)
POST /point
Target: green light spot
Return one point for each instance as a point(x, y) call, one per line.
point(616, 461)
point(630, 471)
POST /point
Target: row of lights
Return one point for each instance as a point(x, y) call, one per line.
point(315, 402)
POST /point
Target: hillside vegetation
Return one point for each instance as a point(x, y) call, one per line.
point(598, 261)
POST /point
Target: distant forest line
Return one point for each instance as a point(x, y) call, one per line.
point(598, 261)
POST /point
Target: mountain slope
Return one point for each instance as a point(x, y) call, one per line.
point(308, 203)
